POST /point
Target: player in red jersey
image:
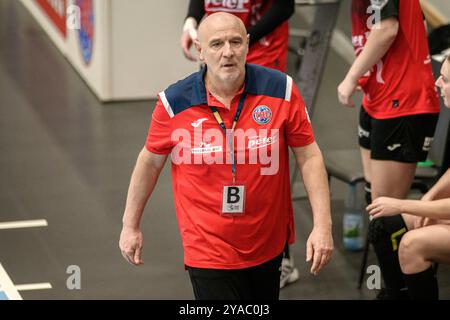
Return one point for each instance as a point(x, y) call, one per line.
point(399, 111)
point(267, 25)
point(228, 128)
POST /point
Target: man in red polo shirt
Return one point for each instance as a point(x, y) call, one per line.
point(267, 24)
point(228, 128)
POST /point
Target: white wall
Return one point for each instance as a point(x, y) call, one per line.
point(136, 50)
point(146, 55)
point(442, 7)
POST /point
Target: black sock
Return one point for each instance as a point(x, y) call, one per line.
point(422, 285)
point(286, 251)
point(394, 283)
point(388, 256)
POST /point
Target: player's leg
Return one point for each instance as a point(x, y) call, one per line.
point(397, 145)
point(418, 250)
point(391, 176)
point(385, 235)
point(364, 130)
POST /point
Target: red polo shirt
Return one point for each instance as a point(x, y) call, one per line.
point(273, 118)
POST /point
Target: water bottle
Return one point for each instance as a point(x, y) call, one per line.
point(353, 221)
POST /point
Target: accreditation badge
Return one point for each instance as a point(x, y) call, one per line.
point(233, 199)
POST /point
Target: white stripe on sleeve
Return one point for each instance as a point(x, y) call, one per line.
point(287, 97)
point(166, 104)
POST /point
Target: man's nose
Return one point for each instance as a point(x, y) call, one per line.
point(228, 50)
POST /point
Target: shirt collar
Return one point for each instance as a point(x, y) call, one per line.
point(212, 101)
point(200, 95)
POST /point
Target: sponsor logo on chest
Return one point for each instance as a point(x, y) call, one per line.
point(260, 141)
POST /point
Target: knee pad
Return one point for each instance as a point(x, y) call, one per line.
point(368, 193)
point(387, 232)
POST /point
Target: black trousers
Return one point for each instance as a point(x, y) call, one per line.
point(261, 282)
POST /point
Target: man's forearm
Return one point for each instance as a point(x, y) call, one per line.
point(143, 180)
point(316, 184)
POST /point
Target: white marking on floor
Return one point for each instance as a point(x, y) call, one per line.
point(23, 224)
point(33, 286)
point(7, 286)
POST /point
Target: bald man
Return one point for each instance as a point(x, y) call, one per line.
point(228, 128)
point(266, 22)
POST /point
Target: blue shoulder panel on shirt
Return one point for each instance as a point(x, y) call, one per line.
point(191, 91)
point(265, 81)
point(187, 93)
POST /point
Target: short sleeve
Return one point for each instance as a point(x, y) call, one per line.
point(159, 134)
point(390, 8)
point(299, 132)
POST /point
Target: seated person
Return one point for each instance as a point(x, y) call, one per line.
point(409, 235)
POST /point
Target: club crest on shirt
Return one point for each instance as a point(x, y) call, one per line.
point(378, 4)
point(262, 114)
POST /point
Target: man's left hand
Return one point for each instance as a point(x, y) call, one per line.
point(319, 248)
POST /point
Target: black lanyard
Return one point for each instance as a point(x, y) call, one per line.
point(224, 129)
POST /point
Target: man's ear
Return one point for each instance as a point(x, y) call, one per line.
point(198, 48)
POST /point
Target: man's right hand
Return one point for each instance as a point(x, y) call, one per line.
point(131, 243)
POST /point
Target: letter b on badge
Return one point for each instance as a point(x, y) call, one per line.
point(233, 195)
point(233, 200)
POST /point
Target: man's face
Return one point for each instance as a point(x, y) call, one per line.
point(444, 83)
point(223, 48)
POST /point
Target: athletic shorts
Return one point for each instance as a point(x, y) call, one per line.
point(261, 282)
point(405, 139)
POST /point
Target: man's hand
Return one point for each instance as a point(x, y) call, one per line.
point(384, 207)
point(130, 243)
point(346, 90)
point(319, 249)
